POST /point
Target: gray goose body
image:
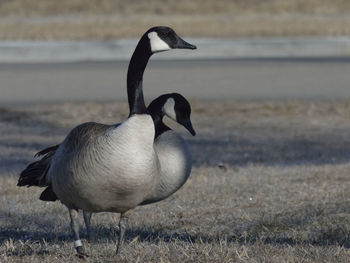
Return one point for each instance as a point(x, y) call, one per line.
point(106, 168)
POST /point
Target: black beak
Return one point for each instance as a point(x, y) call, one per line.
point(182, 44)
point(188, 126)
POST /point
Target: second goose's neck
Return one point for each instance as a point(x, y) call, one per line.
point(155, 109)
point(136, 69)
point(159, 125)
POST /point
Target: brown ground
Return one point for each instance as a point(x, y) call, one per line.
point(110, 19)
point(270, 183)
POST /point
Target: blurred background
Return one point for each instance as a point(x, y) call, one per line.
point(111, 19)
point(86, 31)
point(238, 44)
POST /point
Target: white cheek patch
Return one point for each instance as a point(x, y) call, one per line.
point(157, 44)
point(169, 109)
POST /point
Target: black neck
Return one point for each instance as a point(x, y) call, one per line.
point(159, 125)
point(155, 110)
point(136, 69)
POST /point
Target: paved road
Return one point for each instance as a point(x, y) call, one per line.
point(229, 79)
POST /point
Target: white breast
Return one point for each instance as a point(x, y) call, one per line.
point(132, 145)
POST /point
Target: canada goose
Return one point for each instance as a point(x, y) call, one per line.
point(172, 150)
point(113, 168)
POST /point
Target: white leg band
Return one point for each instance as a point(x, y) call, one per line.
point(77, 243)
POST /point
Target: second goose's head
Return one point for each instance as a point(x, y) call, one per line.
point(175, 106)
point(162, 38)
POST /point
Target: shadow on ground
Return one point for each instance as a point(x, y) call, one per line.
point(234, 151)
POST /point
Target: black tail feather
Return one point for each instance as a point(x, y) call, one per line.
point(35, 173)
point(31, 175)
point(47, 150)
point(48, 195)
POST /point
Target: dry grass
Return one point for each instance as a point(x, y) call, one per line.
point(270, 183)
point(109, 19)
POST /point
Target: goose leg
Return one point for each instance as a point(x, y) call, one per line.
point(87, 219)
point(73, 213)
point(122, 227)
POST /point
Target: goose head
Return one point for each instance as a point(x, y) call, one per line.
point(162, 38)
point(174, 106)
point(177, 108)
